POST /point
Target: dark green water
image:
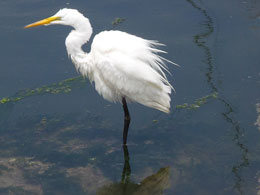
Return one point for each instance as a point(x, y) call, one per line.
point(58, 136)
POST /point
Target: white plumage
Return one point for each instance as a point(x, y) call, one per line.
point(120, 64)
point(128, 67)
point(123, 67)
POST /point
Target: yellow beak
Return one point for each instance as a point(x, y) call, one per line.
point(43, 22)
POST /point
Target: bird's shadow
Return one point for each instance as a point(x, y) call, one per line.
point(156, 183)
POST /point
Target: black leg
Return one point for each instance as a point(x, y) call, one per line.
point(126, 122)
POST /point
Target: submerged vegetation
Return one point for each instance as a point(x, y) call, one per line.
point(198, 102)
point(117, 21)
point(64, 86)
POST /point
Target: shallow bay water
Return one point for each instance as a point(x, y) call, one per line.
point(58, 136)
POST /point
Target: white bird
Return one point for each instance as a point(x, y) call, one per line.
point(124, 67)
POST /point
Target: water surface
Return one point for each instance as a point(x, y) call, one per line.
point(65, 139)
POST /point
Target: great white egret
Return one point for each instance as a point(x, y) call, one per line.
point(124, 67)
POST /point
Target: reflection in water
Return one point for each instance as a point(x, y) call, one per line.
point(49, 155)
point(154, 184)
point(201, 40)
point(127, 169)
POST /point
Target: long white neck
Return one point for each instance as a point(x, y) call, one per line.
point(74, 42)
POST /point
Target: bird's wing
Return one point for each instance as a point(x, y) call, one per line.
point(132, 46)
point(130, 66)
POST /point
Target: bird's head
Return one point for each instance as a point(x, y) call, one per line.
point(64, 16)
